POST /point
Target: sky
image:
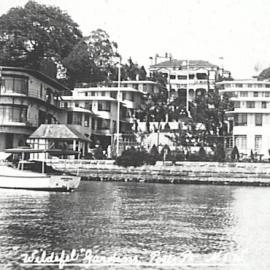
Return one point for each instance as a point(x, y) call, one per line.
point(234, 34)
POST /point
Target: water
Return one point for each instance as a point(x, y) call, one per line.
point(199, 227)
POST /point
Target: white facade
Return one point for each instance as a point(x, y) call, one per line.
point(250, 115)
point(102, 103)
point(187, 79)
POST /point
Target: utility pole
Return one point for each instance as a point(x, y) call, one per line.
point(118, 108)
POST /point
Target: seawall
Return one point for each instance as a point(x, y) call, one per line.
point(253, 174)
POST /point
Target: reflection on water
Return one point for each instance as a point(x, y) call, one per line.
point(137, 219)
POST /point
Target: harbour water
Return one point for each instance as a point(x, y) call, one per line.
point(138, 226)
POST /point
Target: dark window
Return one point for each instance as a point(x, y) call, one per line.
point(258, 119)
point(201, 76)
point(255, 94)
point(172, 77)
point(191, 76)
point(104, 106)
point(69, 118)
point(250, 104)
point(264, 105)
point(182, 77)
point(240, 119)
point(113, 95)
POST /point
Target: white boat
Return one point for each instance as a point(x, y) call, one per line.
point(35, 175)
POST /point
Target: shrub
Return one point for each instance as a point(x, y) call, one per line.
point(219, 153)
point(98, 153)
point(133, 157)
point(235, 153)
point(202, 154)
point(154, 152)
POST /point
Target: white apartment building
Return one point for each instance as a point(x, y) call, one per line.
point(93, 110)
point(187, 79)
point(250, 115)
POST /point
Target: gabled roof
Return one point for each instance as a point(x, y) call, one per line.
point(57, 131)
point(183, 63)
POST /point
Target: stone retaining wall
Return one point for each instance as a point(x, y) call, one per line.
point(165, 172)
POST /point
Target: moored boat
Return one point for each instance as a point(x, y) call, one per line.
point(35, 175)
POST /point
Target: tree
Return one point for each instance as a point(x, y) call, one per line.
point(154, 108)
point(264, 75)
point(132, 71)
point(92, 59)
point(36, 32)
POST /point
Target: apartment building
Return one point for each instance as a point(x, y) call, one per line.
point(187, 79)
point(250, 115)
point(28, 99)
point(97, 108)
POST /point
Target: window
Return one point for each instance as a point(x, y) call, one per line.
point(236, 104)
point(16, 114)
point(191, 76)
point(65, 104)
point(255, 94)
point(201, 76)
point(88, 105)
point(260, 85)
point(41, 91)
point(123, 96)
point(241, 141)
point(18, 84)
point(239, 85)
point(86, 94)
point(172, 77)
point(258, 119)
point(113, 94)
point(264, 106)
point(103, 124)
point(86, 120)
point(250, 104)
point(267, 85)
point(76, 104)
point(182, 77)
point(93, 93)
point(243, 94)
point(240, 119)
point(258, 143)
point(104, 106)
point(249, 85)
point(103, 93)
point(77, 119)
point(267, 94)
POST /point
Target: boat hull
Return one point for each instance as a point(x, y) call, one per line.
point(12, 178)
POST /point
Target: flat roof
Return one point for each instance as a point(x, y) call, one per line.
point(106, 89)
point(38, 75)
point(243, 81)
